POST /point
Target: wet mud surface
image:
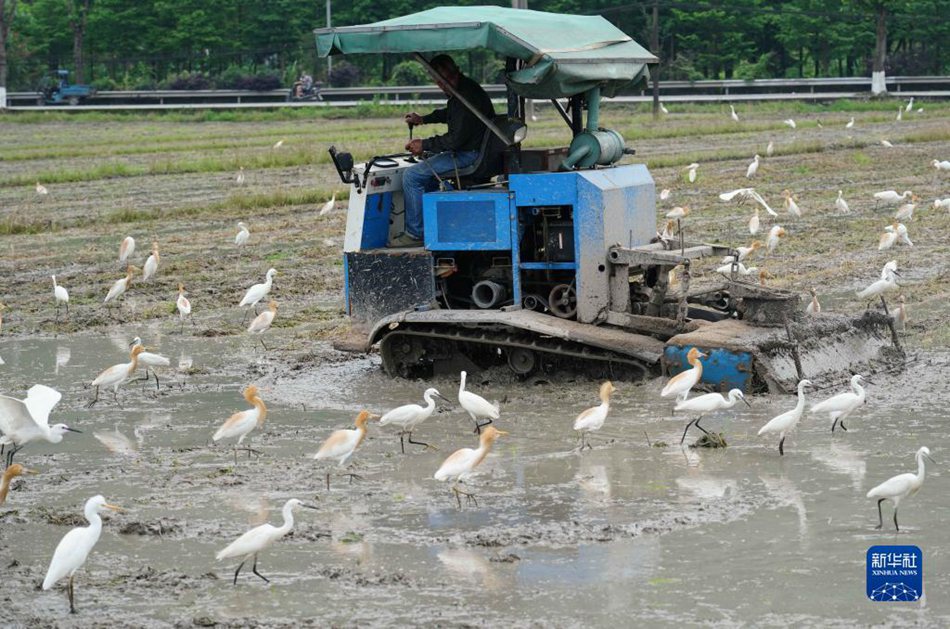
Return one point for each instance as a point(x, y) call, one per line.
point(638, 525)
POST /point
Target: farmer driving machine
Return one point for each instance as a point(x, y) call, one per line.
point(548, 260)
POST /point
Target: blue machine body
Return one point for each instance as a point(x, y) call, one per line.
point(722, 369)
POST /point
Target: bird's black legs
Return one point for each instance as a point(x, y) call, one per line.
point(254, 570)
point(459, 493)
point(841, 423)
point(478, 426)
point(154, 375)
point(94, 399)
point(264, 346)
point(328, 481)
point(691, 422)
point(13, 450)
point(880, 516)
point(402, 445)
point(833, 424)
point(71, 592)
point(418, 443)
point(780, 444)
point(238, 571)
point(896, 527)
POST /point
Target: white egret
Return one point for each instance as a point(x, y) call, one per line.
point(775, 234)
point(790, 204)
point(905, 212)
point(408, 416)
point(840, 406)
point(887, 283)
point(668, 231)
point(840, 204)
point(74, 548)
point(680, 384)
point(664, 109)
point(900, 114)
point(886, 144)
point(743, 252)
point(461, 464)
point(259, 538)
point(733, 114)
point(120, 286)
point(941, 204)
point(24, 421)
point(151, 264)
point(8, 475)
point(813, 306)
point(115, 375)
point(741, 269)
point(61, 295)
point(239, 180)
point(900, 313)
point(708, 403)
point(891, 196)
point(328, 206)
point(678, 213)
point(888, 269)
point(888, 237)
point(263, 321)
point(692, 172)
point(242, 423)
point(476, 406)
point(41, 189)
point(126, 249)
point(850, 123)
point(593, 418)
point(341, 444)
point(790, 123)
point(753, 167)
point(278, 144)
point(770, 149)
point(150, 361)
point(755, 223)
point(258, 292)
point(665, 193)
point(910, 105)
point(899, 487)
point(784, 424)
point(184, 307)
point(903, 236)
point(242, 236)
point(941, 164)
point(747, 194)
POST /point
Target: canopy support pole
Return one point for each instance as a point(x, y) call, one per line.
point(488, 123)
point(560, 109)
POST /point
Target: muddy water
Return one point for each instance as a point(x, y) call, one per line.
point(669, 534)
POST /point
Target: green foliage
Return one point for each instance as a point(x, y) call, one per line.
point(409, 73)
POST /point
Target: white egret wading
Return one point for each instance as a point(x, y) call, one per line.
point(258, 292)
point(899, 487)
point(477, 406)
point(407, 417)
point(593, 418)
point(708, 403)
point(784, 424)
point(23, 421)
point(840, 406)
point(462, 463)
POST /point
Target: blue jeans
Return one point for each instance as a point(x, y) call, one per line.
point(418, 179)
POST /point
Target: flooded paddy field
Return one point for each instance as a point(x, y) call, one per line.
point(637, 527)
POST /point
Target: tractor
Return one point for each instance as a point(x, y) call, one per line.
point(60, 91)
point(548, 260)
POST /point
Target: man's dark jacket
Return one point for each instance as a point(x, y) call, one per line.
point(465, 129)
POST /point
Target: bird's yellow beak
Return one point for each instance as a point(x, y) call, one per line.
point(113, 508)
point(374, 416)
point(27, 471)
point(503, 432)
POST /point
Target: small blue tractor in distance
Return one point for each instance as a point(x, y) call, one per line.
point(549, 259)
point(60, 91)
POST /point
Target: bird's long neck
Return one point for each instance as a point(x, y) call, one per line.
point(920, 472)
point(5, 487)
point(95, 521)
point(430, 402)
point(482, 451)
point(462, 383)
point(261, 409)
point(134, 364)
point(361, 431)
point(801, 400)
point(54, 282)
point(698, 366)
point(288, 521)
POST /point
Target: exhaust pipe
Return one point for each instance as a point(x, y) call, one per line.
point(488, 294)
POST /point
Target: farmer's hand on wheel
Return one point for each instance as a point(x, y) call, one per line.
point(414, 146)
point(413, 118)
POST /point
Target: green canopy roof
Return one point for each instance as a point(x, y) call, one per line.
point(564, 54)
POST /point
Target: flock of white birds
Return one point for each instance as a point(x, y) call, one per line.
point(27, 420)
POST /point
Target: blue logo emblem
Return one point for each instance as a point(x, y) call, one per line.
point(895, 573)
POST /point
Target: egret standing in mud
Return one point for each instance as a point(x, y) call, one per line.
point(680, 384)
point(813, 307)
point(61, 296)
point(899, 487)
point(593, 418)
point(888, 282)
point(259, 538)
point(74, 548)
point(263, 321)
point(242, 236)
point(8, 475)
point(258, 292)
point(462, 463)
point(842, 405)
point(708, 403)
point(120, 285)
point(150, 361)
point(183, 304)
point(476, 406)
point(23, 421)
point(409, 416)
point(784, 424)
point(242, 423)
point(115, 375)
point(341, 444)
point(126, 249)
point(150, 268)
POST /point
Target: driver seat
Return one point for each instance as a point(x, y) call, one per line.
point(491, 152)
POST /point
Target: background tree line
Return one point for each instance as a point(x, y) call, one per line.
point(262, 44)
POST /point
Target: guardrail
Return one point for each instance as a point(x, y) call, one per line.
point(682, 91)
